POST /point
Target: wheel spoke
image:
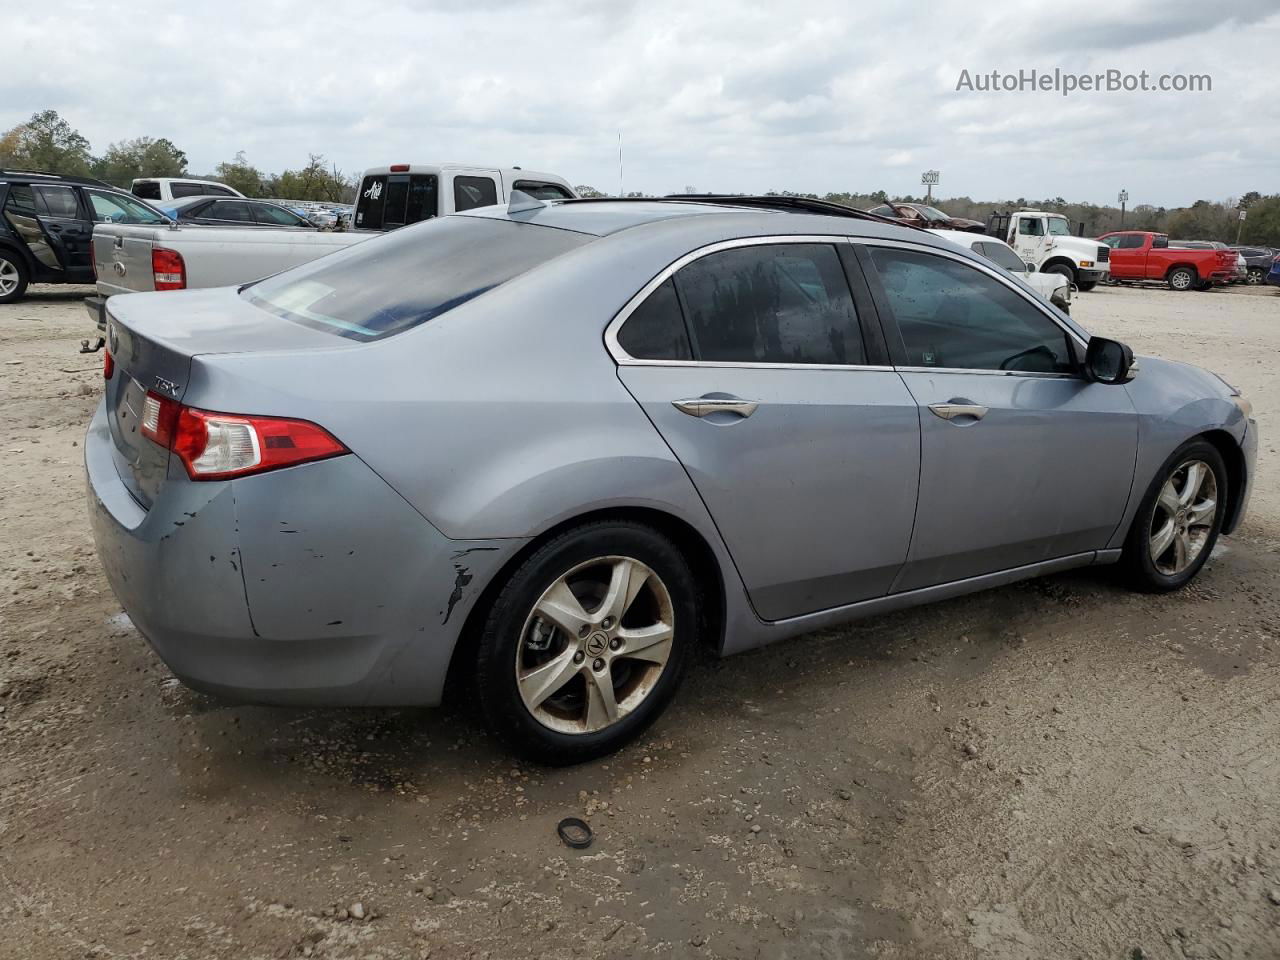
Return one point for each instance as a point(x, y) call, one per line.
point(625, 581)
point(1181, 551)
point(602, 706)
point(1201, 514)
point(1169, 501)
point(652, 643)
point(543, 681)
point(1191, 486)
point(562, 608)
point(1161, 539)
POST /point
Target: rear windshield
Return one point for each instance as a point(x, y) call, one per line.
point(388, 284)
point(390, 201)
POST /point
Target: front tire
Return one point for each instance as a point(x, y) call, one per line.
point(1179, 519)
point(13, 277)
point(586, 644)
point(1256, 276)
point(1062, 269)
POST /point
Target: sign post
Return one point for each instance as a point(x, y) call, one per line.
point(929, 178)
point(1123, 198)
point(1239, 226)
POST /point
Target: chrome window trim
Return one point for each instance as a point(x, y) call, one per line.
point(624, 359)
point(1029, 296)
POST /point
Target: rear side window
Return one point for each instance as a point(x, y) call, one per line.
point(20, 201)
point(389, 284)
point(236, 211)
point(59, 202)
point(656, 330)
point(1001, 256)
point(773, 303)
point(270, 213)
point(542, 191)
point(186, 190)
point(147, 190)
point(215, 191)
point(118, 208)
point(472, 192)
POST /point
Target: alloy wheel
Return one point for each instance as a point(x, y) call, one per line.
point(594, 645)
point(1183, 517)
point(8, 277)
point(1181, 280)
point(1256, 276)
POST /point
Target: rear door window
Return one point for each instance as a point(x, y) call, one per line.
point(177, 190)
point(772, 303)
point(1130, 241)
point(117, 208)
point(276, 216)
point(147, 190)
point(214, 190)
point(472, 192)
point(57, 201)
point(389, 284)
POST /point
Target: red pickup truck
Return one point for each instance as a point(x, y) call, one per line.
point(1140, 255)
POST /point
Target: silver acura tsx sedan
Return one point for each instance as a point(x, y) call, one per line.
point(546, 449)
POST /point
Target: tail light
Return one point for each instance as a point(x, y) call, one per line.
point(169, 272)
point(219, 446)
point(108, 363)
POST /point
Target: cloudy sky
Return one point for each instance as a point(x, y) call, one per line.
point(711, 94)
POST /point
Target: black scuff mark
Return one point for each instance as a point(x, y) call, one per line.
point(459, 554)
point(333, 623)
point(179, 523)
point(288, 531)
point(463, 578)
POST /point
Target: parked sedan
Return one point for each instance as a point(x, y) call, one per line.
point(214, 211)
point(1054, 287)
point(923, 215)
point(545, 451)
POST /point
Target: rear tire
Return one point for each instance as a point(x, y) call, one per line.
point(13, 277)
point(1173, 532)
point(564, 673)
point(1084, 286)
point(1182, 279)
point(1256, 276)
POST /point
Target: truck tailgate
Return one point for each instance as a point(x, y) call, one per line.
point(122, 257)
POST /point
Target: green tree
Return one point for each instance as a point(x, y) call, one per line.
point(128, 160)
point(240, 175)
point(46, 143)
point(313, 182)
point(583, 190)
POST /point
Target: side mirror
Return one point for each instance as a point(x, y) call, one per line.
point(1108, 361)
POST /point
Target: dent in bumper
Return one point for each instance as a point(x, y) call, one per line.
point(313, 585)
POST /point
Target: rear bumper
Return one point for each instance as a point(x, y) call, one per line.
point(96, 307)
point(314, 585)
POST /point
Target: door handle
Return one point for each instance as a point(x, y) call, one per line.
point(950, 411)
point(705, 406)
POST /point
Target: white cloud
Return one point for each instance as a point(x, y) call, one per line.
point(727, 96)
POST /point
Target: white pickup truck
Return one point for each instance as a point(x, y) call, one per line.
point(132, 258)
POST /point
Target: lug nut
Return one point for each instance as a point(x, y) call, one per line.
point(615, 643)
point(579, 657)
point(598, 665)
point(583, 631)
point(608, 622)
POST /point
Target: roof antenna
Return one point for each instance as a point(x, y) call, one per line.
point(620, 193)
point(522, 202)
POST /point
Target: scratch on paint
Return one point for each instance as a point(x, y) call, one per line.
point(463, 578)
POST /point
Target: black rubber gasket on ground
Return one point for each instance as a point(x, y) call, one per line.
point(574, 833)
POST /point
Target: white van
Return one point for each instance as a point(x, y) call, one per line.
point(402, 193)
point(163, 189)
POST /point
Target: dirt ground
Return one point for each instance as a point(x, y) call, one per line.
point(1055, 769)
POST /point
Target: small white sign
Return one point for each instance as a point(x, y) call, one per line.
point(1242, 213)
point(929, 177)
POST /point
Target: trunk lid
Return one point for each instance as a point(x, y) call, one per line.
point(155, 340)
point(122, 257)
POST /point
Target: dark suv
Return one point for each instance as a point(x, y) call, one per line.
point(46, 227)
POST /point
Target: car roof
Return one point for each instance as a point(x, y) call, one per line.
point(738, 216)
point(967, 238)
point(216, 183)
point(511, 173)
point(34, 176)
